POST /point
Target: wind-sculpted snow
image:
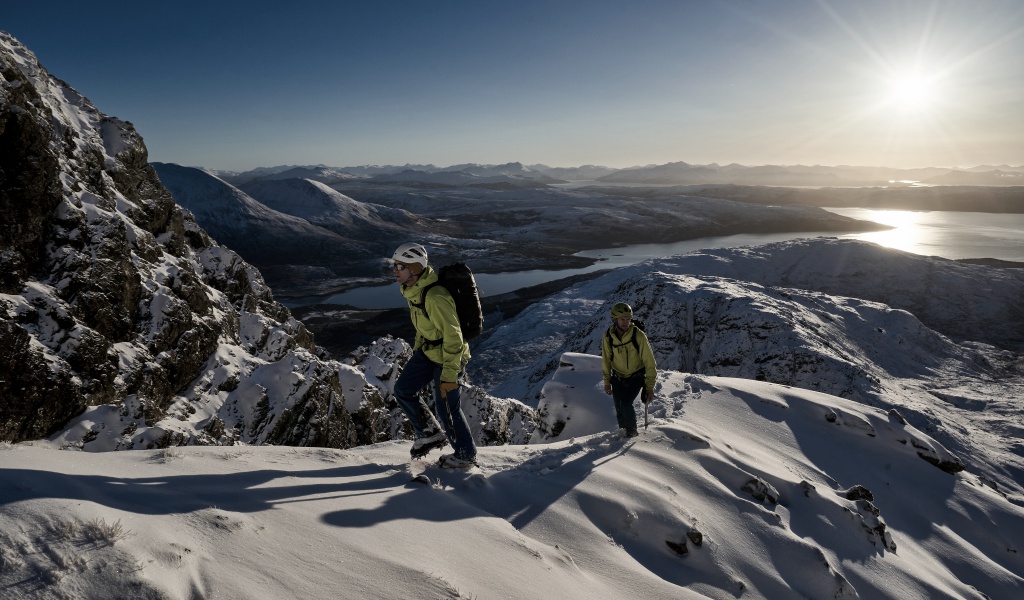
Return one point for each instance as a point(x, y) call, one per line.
point(738, 488)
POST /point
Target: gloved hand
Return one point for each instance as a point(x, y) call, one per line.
point(608, 389)
point(648, 396)
point(448, 386)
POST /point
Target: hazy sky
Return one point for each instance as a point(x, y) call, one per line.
point(237, 85)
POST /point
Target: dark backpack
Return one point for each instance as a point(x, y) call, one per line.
point(458, 279)
point(639, 325)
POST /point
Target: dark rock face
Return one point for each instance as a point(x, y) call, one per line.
point(29, 190)
point(114, 301)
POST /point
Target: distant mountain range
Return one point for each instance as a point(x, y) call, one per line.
point(681, 173)
point(678, 173)
point(465, 178)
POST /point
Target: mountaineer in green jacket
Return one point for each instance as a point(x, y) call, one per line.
point(628, 366)
point(440, 355)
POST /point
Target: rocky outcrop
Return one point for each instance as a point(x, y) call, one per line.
point(114, 302)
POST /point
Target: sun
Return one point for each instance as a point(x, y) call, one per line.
point(911, 93)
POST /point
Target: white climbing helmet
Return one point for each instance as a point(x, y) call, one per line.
point(411, 253)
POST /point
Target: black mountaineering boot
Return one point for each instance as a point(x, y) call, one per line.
point(421, 446)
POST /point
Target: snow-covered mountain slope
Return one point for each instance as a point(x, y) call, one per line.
point(962, 301)
point(725, 326)
point(245, 224)
point(738, 489)
point(296, 254)
point(856, 349)
point(324, 206)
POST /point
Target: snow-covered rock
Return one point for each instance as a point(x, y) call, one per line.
point(124, 325)
point(370, 379)
point(118, 312)
point(965, 302)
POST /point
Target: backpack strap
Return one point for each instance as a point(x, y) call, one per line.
point(636, 344)
point(423, 298)
point(423, 306)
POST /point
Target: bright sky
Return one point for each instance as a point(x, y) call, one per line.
point(237, 85)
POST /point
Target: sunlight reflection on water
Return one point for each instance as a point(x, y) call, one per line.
point(951, 235)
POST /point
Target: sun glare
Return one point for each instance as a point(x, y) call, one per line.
point(904, 235)
point(895, 218)
point(911, 93)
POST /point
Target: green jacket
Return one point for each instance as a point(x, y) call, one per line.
point(618, 354)
point(438, 322)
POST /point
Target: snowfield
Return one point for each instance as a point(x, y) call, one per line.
point(737, 489)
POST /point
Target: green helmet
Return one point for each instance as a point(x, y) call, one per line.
point(621, 309)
